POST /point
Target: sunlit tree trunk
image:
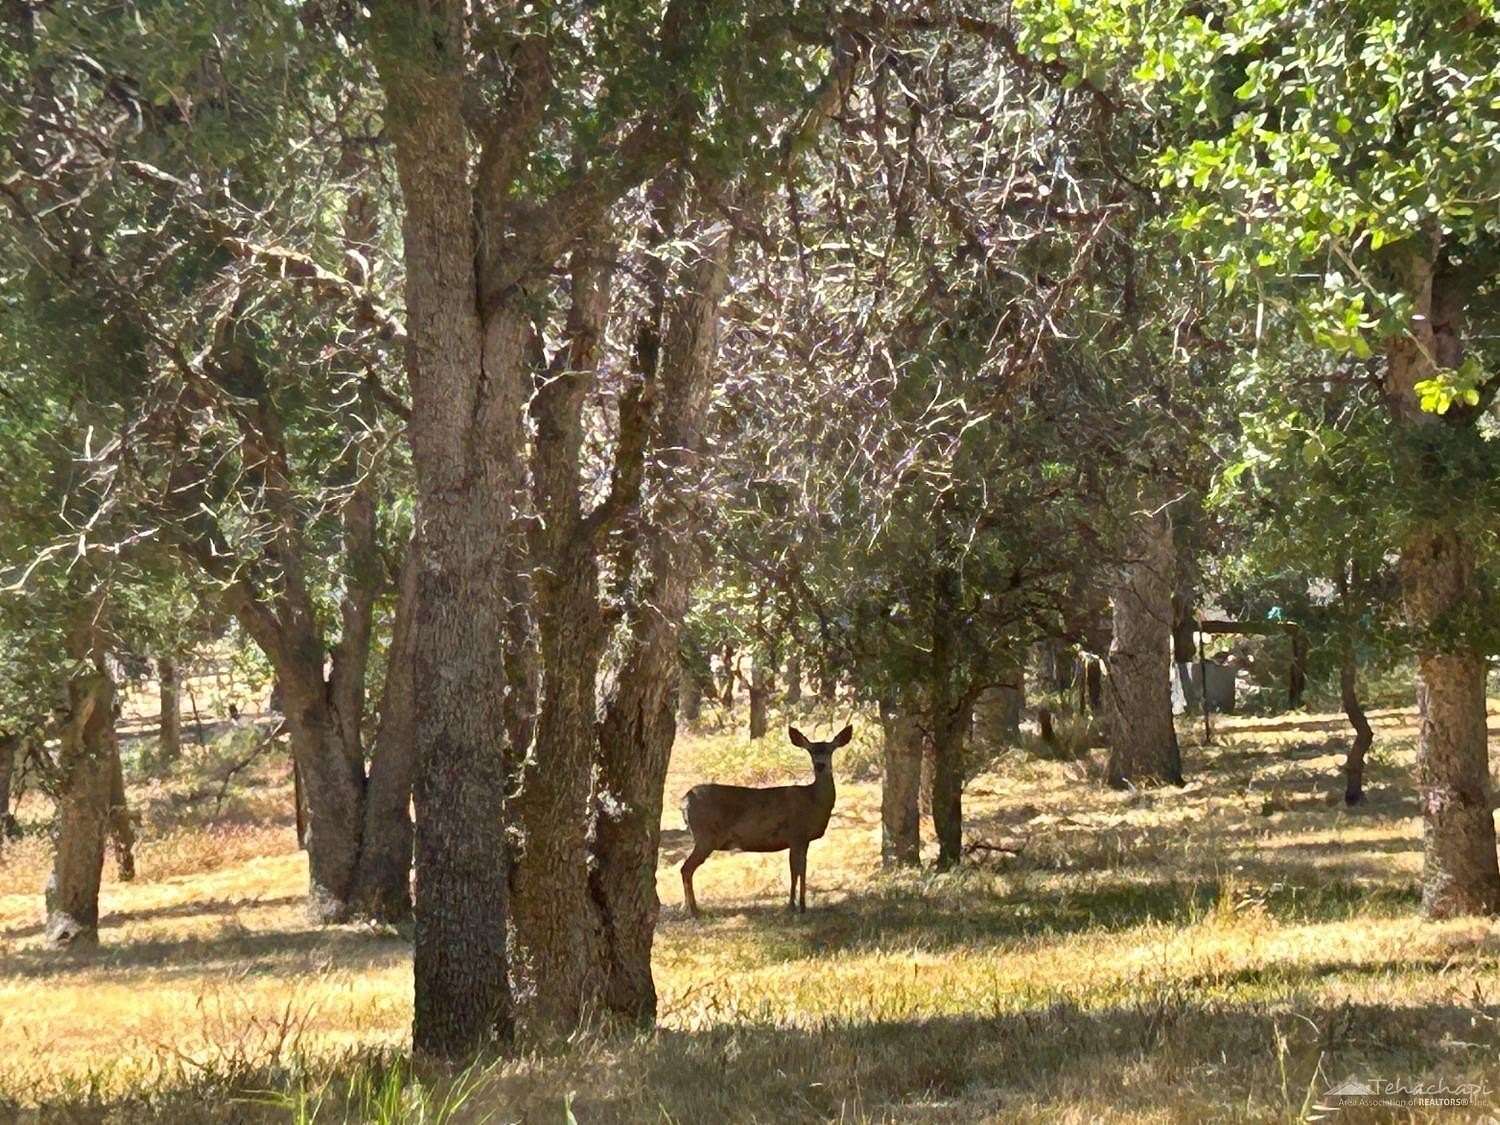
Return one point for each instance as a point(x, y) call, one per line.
point(121, 831)
point(170, 728)
point(1439, 587)
point(1138, 692)
point(901, 780)
point(760, 697)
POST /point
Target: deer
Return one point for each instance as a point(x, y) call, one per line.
point(769, 819)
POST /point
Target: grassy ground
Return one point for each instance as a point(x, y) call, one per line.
point(1224, 952)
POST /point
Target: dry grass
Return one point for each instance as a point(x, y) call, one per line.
point(1224, 952)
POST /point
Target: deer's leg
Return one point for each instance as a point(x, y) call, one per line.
point(689, 865)
point(798, 859)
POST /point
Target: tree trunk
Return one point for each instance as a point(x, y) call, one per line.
point(690, 695)
point(169, 730)
point(1459, 868)
point(1354, 764)
point(1297, 673)
point(72, 896)
point(1093, 683)
point(1138, 697)
point(556, 958)
point(726, 693)
point(121, 832)
point(998, 710)
point(949, 730)
point(382, 878)
point(640, 718)
point(9, 748)
point(760, 698)
point(467, 366)
point(793, 695)
point(901, 782)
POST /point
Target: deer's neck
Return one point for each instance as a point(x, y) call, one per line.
point(822, 791)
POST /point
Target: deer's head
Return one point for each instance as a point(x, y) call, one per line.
point(822, 752)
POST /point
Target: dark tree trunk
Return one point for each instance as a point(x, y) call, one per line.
point(1354, 764)
point(82, 823)
point(1093, 683)
point(690, 696)
point(793, 695)
point(998, 710)
point(726, 692)
point(299, 806)
point(121, 831)
point(1297, 674)
point(1138, 698)
point(555, 970)
point(760, 698)
point(640, 719)
point(901, 782)
point(169, 730)
point(1044, 726)
point(382, 878)
point(949, 730)
point(9, 748)
point(1459, 870)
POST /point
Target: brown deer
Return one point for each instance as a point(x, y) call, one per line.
point(778, 818)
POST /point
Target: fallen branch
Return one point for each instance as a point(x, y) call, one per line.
point(974, 846)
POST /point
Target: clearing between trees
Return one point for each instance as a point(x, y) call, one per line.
point(1230, 950)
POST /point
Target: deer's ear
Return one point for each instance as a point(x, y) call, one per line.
point(843, 736)
point(798, 738)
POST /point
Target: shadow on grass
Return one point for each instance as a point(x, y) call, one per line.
point(974, 913)
point(251, 953)
point(1169, 1054)
point(194, 909)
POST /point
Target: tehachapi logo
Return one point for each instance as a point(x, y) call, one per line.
point(1402, 1092)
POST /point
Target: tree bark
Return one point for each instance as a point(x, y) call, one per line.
point(555, 970)
point(760, 698)
point(382, 878)
point(466, 363)
point(1459, 870)
point(121, 832)
point(901, 782)
point(169, 730)
point(640, 718)
point(9, 748)
point(949, 729)
point(690, 696)
point(1354, 764)
point(72, 895)
point(793, 695)
point(1138, 695)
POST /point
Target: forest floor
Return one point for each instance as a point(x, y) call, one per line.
point(1228, 951)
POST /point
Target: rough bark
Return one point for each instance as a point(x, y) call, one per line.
point(949, 729)
point(690, 697)
point(82, 820)
point(169, 730)
point(1138, 694)
point(555, 966)
point(121, 831)
point(1459, 870)
point(640, 718)
point(382, 878)
point(466, 374)
point(901, 781)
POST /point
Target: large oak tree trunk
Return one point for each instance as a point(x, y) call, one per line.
point(1459, 869)
point(901, 782)
point(1138, 693)
point(82, 823)
point(556, 957)
point(640, 719)
point(466, 369)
